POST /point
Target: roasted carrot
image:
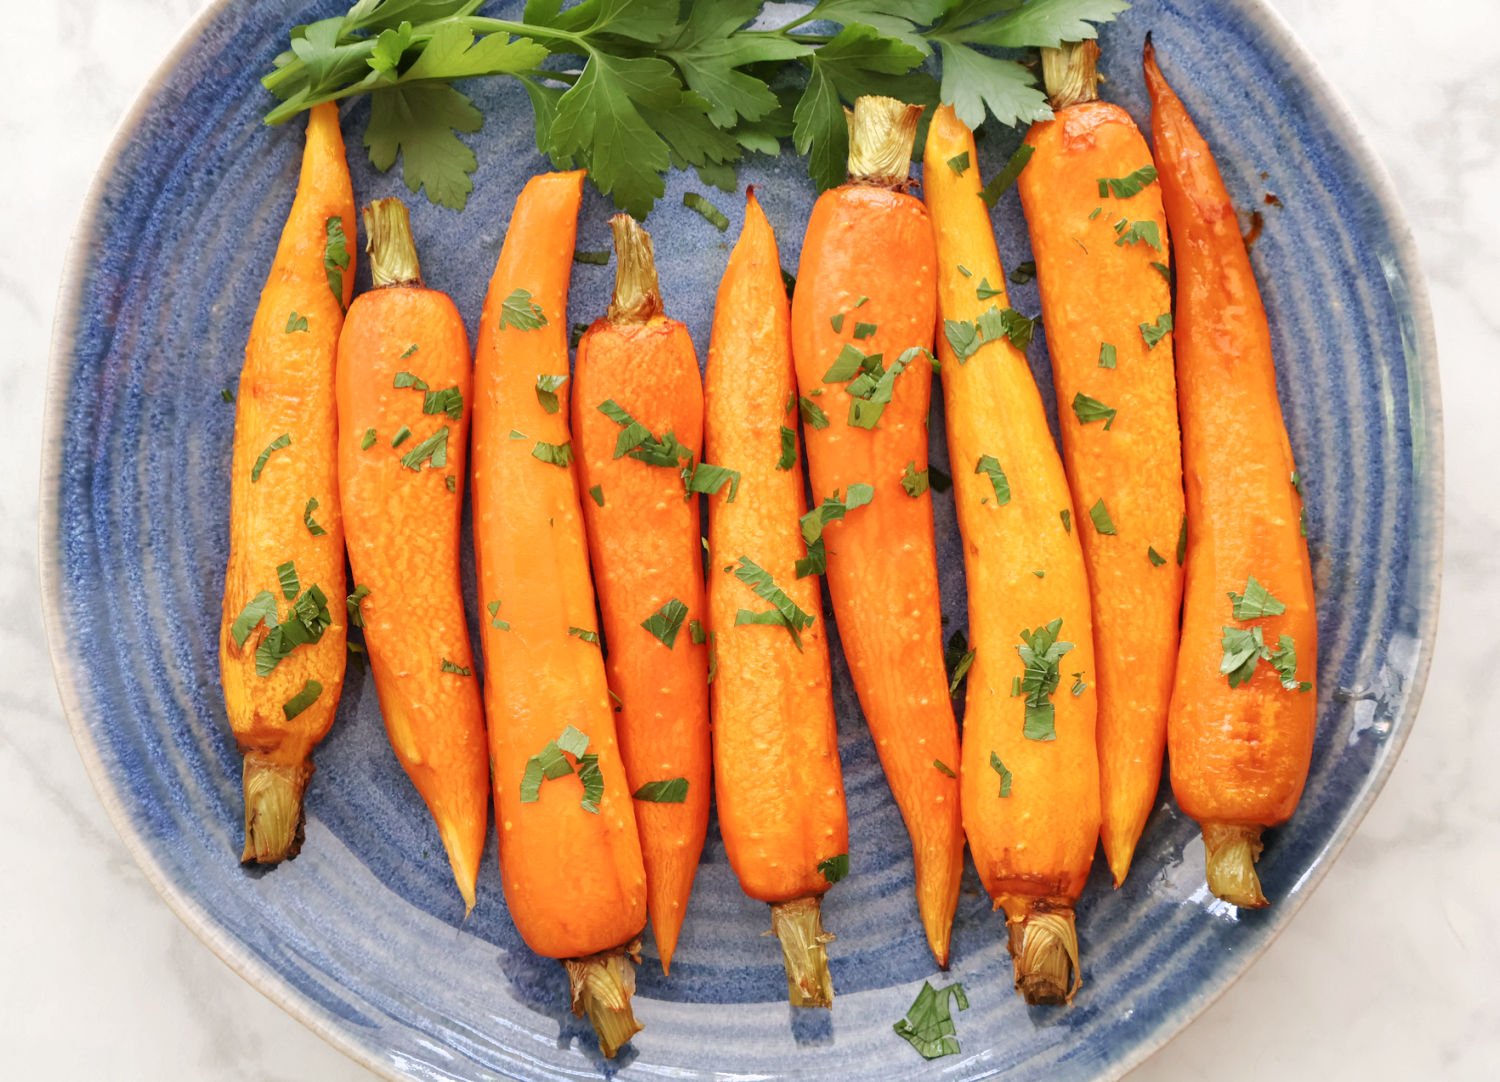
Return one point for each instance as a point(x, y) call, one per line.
point(404, 391)
point(862, 323)
point(1030, 767)
point(1243, 714)
point(570, 857)
point(637, 366)
point(1099, 237)
point(281, 646)
point(776, 760)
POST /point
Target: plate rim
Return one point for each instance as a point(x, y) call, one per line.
point(1424, 404)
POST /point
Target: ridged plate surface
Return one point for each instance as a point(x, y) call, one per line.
point(362, 937)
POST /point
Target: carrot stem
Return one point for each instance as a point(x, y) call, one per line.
point(637, 294)
point(388, 240)
point(1071, 73)
point(274, 815)
point(1044, 947)
point(600, 986)
point(798, 925)
point(1230, 852)
point(881, 132)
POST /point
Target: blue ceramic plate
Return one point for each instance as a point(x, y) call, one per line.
point(362, 936)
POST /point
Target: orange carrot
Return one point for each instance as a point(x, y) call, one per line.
point(638, 366)
point(1243, 713)
point(1030, 766)
point(404, 389)
point(862, 324)
point(1099, 235)
point(281, 646)
point(776, 760)
point(570, 857)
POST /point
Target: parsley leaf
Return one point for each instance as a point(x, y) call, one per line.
point(710, 213)
point(788, 459)
point(989, 465)
point(1255, 602)
point(1243, 650)
point(1007, 176)
point(546, 391)
point(1089, 409)
point(521, 312)
point(666, 622)
point(914, 481)
point(834, 868)
point(831, 509)
point(433, 450)
point(283, 440)
point(667, 791)
point(709, 479)
point(335, 258)
point(784, 611)
point(1040, 652)
point(957, 657)
point(302, 700)
point(812, 413)
point(1140, 233)
point(557, 454)
point(1005, 775)
point(294, 322)
point(1102, 522)
point(928, 1025)
point(1155, 332)
point(1129, 185)
point(307, 519)
point(1107, 355)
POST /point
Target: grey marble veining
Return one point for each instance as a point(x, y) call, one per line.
point(1388, 972)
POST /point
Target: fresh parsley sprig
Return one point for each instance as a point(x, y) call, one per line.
point(631, 88)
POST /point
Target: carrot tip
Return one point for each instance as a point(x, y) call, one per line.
point(274, 816)
point(799, 926)
point(1044, 949)
point(1230, 853)
point(601, 986)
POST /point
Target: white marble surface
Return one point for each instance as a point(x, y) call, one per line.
point(1392, 970)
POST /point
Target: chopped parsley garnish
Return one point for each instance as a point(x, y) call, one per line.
point(1284, 660)
point(449, 400)
point(597, 257)
point(1153, 333)
point(260, 608)
point(433, 450)
point(1182, 542)
point(711, 214)
point(1255, 602)
point(928, 1025)
point(788, 457)
point(709, 479)
point(307, 519)
point(1095, 213)
point(576, 333)
point(585, 634)
point(848, 364)
point(837, 322)
point(402, 435)
point(287, 574)
point(1089, 409)
point(406, 379)
point(283, 440)
point(914, 481)
point(456, 670)
point(1040, 653)
point(518, 435)
point(226, 394)
point(521, 312)
point(696, 633)
point(557, 454)
point(1007, 176)
point(784, 612)
point(991, 326)
point(812, 413)
point(368, 440)
point(636, 440)
point(1106, 355)
point(294, 322)
point(597, 493)
point(666, 622)
point(308, 619)
point(830, 510)
point(1163, 270)
point(957, 658)
point(989, 465)
point(335, 258)
point(944, 768)
point(1156, 558)
point(356, 618)
point(834, 868)
point(552, 763)
point(1024, 272)
point(1005, 775)
point(1126, 186)
point(493, 608)
point(1243, 650)
point(873, 387)
point(1067, 519)
point(452, 483)
point(959, 163)
point(667, 791)
point(1140, 233)
point(411, 349)
point(1102, 522)
point(864, 330)
point(302, 700)
point(1079, 686)
point(987, 291)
